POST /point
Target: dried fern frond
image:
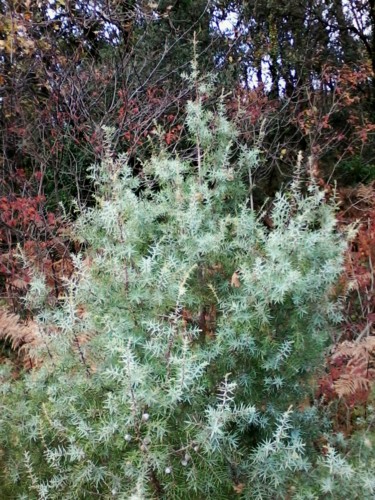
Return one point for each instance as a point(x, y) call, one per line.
point(359, 371)
point(366, 193)
point(349, 384)
point(18, 333)
point(23, 337)
point(356, 350)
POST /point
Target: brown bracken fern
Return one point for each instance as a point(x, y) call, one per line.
point(23, 337)
point(359, 372)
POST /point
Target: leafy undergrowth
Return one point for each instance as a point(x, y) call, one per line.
point(348, 385)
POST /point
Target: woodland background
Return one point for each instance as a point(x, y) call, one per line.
point(297, 79)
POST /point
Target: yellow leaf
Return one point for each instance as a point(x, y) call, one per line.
point(283, 153)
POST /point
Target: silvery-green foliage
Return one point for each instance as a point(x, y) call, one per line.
point(175, 366)
point(336, 475)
